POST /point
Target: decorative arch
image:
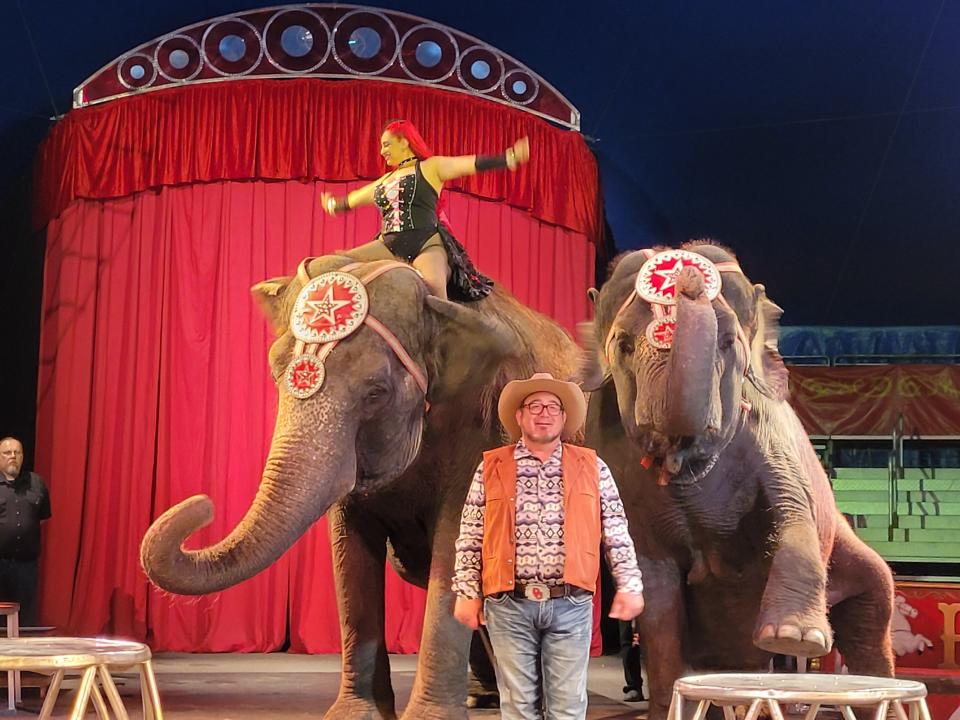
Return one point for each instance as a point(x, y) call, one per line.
point(328, 41)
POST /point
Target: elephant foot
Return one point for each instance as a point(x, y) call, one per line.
point(790, 635)
point(421, 709)
point(354, 708)
point(483, 699)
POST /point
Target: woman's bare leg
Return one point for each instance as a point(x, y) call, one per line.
point(432, 264)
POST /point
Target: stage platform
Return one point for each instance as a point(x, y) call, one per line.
point(280, 686)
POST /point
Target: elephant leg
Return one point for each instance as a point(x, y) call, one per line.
point(359, 556)
point(860, 591)
point(662, 627)
point(440, 689)
point(793, 611)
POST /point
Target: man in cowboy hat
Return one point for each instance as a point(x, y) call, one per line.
point(528, 553)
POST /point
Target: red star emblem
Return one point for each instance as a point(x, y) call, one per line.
point(322, 306)
point(657, 279)
point(660, 333)
point(329, 307)
point(304, 376)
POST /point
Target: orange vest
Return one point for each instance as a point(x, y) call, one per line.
point(581, 518)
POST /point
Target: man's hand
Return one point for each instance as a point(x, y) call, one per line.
point(469, 612)
point(625, 606)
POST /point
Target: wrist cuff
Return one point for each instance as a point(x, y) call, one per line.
point(491, 162)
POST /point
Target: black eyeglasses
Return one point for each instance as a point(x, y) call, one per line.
point(536, 408)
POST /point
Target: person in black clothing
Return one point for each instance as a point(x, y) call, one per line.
point(409, 198)
point(24, 504)
point(631, 655)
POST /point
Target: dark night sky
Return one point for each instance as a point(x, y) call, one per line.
point(819, 138)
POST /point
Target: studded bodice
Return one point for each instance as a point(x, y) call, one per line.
point(407, 202)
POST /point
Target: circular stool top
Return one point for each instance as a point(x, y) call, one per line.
point(62, 652)
point(802, 687)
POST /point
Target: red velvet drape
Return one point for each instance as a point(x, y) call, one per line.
point(154, 386)
point(305, 129)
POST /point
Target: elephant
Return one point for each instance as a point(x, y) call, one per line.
point(742, 548)
point(386, 447)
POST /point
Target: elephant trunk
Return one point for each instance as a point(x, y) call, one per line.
point(290, 498)
point(692, 382)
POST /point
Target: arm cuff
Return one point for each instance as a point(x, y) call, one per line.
point(491, 162)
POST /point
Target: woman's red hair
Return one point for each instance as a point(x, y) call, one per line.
point(406, 129)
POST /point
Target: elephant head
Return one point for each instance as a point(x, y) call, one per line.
point(681, 386)
point(358, 431)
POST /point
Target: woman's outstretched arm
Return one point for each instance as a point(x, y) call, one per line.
point(358, 198)
point(440, 168)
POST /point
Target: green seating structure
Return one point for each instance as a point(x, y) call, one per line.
point(925, 523)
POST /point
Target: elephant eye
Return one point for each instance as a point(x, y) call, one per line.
point(625, 344)
point(726, 342)
point(377, 392)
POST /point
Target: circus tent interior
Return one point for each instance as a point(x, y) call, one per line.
point(153, 181)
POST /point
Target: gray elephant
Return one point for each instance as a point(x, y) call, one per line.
point(743, 550)
point(383, 427)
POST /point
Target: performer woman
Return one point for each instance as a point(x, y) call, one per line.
point(414, 224)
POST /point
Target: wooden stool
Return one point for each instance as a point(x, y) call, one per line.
point(92, 658)
point(906, 698)
point(12, 612)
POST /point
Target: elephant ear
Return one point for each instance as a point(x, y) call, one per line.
point(594, 371)
point(269, 295)
point(468, 348)
point(766, 361)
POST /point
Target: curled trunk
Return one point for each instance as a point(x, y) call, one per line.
point(288, 501)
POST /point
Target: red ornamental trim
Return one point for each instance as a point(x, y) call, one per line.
point(329, 307)
point(304, 376)
point(660, 333)
point(656, 281)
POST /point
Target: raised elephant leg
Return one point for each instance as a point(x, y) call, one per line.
point(793, 611)
point(440, 689)
point(662, 627)
point(860, 592)
point(359, 554)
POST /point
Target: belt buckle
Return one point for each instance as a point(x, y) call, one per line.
point(536, 591)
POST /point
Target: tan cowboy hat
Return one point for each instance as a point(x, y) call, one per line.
point(515, 391)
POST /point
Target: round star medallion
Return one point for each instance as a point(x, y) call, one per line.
point(657, 279)
point(304, 376)
point(329, 307)
point(660, 332)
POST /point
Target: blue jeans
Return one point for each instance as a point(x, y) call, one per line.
point(554, 636)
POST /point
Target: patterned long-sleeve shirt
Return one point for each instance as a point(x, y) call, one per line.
point(540, 552)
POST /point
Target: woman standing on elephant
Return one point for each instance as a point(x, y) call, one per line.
point(415, 228)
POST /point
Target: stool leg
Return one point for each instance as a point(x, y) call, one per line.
point(53, 690)
point(924, 710)
point(11, 691)
point(676, 706)
point(112, 694)
point(98, 704)
point(149, 682)
point(83, 694)
point(775, 710)
point(813, 710)
point(882, 708)
point(13, 631)
point(753, 712)
point(701, 711)
point(899, 711)
point(729, 713)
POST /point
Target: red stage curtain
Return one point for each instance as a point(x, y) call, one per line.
point(867, 400)
point(306, 129)
point(154, 386)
